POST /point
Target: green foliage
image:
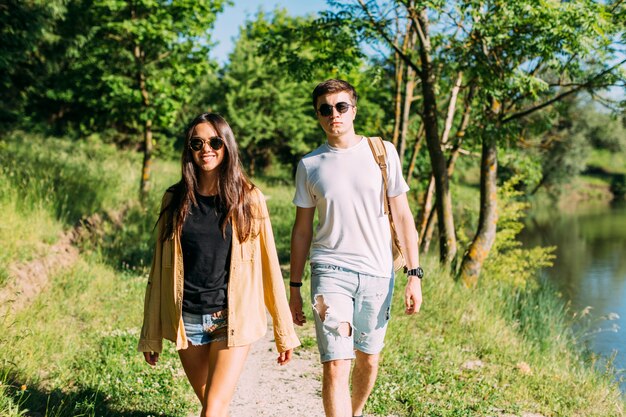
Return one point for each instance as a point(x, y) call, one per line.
point(264, 91)
point(268, 110)
point(94, 368)
point(497, 350)
point(306, 48)
point(573, 137)
point(604, 130)
point(508, 261)
point(513, 38)
point(618, 186)
point(120, 64)
point(529, 359)
point(26, 29)
point(71, 178)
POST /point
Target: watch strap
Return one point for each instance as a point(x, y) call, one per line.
point(415, 272)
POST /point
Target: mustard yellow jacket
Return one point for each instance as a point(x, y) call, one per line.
point(255, 282)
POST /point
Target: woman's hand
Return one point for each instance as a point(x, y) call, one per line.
point(151, 357)
point(285, 357)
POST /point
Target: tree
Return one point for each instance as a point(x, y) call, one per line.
point(514, 57)
point(132, 64)
point(419, 52)
point(270, 115)
point(26, 28)
point(276, 63)
point(524, 62)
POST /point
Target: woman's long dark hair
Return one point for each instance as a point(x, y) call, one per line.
point(233, 187)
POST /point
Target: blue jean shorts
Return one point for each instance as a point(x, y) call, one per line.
point(202, 329)
point(351, 311)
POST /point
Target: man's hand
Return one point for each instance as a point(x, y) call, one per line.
point(151, 357)
point(413, 295)
point(295, 305)
point(285, 357)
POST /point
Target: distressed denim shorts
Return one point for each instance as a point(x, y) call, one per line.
point(351, 311)
point(202, 329)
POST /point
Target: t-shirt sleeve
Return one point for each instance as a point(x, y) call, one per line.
point(303, 197)
point(397, 185)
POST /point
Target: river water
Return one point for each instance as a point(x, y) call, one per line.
point(590, 270)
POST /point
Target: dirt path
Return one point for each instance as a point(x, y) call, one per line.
point(269, 390)
point(28, 279)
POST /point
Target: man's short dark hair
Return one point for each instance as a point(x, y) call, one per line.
point(333, 86)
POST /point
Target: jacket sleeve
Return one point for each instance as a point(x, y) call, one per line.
point(151, 337)
point(273, 285)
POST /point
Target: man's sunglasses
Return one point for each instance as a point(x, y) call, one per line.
point(197, 143)
point(327, 109)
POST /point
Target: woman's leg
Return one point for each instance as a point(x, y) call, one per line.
point(213, 371)
point(195, 360)
point(225, 367)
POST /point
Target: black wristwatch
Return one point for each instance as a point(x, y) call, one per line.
point(415, 272)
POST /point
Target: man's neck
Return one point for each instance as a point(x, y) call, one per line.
point(345, 141)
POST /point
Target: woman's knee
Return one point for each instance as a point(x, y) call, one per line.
point(215, 408)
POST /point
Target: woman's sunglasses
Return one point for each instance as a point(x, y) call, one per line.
point(327, 109)
point(197, 143)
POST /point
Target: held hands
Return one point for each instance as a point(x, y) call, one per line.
point(151, 357)
point(295, 305)
point(413, 295)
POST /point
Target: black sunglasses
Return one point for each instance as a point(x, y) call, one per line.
point(327, 109)
point(197, 143)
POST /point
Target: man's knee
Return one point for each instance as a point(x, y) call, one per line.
point(337, 369)
point(366, 360)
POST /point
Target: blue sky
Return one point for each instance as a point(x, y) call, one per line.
point(228, 23)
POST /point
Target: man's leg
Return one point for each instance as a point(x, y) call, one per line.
point(332, 292)
point(363, 378)
point(372, 310)
point(335, 388)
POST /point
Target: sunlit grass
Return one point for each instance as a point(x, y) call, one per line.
point(468, 353)
point(484, 352)
point(27, 229)
point(79, 356)
point(612, 162)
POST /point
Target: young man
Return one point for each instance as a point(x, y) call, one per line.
point(351, 261)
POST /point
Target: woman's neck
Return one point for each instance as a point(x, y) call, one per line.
point(207, 184)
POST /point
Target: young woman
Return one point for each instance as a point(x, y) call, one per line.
point(215, 269)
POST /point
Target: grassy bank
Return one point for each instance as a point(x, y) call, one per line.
point(487, 352)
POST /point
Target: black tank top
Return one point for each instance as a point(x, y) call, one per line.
point(206, 257)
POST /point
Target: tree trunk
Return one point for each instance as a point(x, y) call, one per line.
point(147, 127)
point(147, 160)
point(486, 233)
point(427, 208)
point(447, 238)
point(416, 148)
point(397, 100)
point(406, 111)
point(427, 234)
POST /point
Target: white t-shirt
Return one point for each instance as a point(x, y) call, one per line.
point(346, 187)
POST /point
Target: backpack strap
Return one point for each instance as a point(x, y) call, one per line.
point(380, 156)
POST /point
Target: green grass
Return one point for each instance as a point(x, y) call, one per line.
point(427, 364)
point(72, 352)
point(75, 351)
point(612, 162)
point(29, 229)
